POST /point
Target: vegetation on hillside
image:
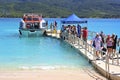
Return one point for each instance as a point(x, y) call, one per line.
point(61, 8)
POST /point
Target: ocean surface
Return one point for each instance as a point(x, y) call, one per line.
point(44, 52)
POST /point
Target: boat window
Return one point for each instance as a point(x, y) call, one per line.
point(29, 19)
point(35, 19)
point(43, 24)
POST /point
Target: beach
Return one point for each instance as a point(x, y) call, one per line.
point(64, 74)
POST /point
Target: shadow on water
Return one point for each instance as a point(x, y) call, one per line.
point(17, 35)
point(8, 36)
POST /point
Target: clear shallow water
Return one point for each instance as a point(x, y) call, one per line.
point(40, 52)
point(44, 52)
point(35, 52)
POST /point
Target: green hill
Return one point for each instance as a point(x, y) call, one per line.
point(61, 8)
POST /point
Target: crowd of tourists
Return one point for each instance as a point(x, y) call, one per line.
point(101, 42)
point(106, 43)
point(75, 30)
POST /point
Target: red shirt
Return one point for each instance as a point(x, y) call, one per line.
point(85, 33)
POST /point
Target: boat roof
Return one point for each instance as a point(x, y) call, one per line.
point(30, 17)
point(32, 14)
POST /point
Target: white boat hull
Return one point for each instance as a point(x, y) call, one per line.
point(31, 32)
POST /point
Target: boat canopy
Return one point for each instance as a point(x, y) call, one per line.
point(73, 19)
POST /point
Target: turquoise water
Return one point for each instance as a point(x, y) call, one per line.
point(44, 52)
point(34, 52)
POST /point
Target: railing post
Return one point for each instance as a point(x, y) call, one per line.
point(107, 65)
point(56, 33)
point(117, 58)
point(68, 37)
point(78, 43)
point(89, 48)
point(72, 38)
point(94, 53)
point(85, 47)
point(112, 58)
point(51, 30)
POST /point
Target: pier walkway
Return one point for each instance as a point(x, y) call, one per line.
point(110, 68)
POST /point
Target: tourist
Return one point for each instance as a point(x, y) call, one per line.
point(78, 31)
point(46, 24)
point(55, 25)
point(114, 37)
point(72, 30)
point(109, 43)
point(118, 44)
point(102, 37)
point(62, 28)
point(97, 44)
point(51, 26)
point(85, 34)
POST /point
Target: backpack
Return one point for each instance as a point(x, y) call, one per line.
point(93, 43)
point(119, 49)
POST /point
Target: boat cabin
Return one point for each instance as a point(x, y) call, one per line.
point(32, 21)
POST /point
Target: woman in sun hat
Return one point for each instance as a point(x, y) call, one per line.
point(97, 44)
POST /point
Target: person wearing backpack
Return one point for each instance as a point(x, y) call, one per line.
point(119, 44)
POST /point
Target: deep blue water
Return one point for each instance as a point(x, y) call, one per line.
point(108, 26)
point(44, 52)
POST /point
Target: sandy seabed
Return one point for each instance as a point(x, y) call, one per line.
point(45, 75)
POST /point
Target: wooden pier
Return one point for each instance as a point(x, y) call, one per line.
point(110, 68)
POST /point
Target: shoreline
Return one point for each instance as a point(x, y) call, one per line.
point(37, 68)
point(64, 74)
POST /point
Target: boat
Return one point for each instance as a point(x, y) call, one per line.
point(32, 24)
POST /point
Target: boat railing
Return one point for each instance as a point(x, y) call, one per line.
point(32, 29)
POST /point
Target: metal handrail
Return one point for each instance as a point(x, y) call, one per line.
point(89, 48)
